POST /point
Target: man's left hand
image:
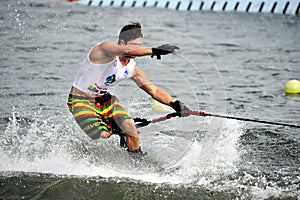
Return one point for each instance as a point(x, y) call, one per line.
point(163, 50)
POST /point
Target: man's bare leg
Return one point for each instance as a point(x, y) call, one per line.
point(132, 135)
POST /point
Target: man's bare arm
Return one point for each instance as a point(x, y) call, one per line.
point(156, 93)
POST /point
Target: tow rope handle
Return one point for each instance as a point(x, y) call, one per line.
point(141, 122)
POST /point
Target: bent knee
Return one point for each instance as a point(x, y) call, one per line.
point(128, 124)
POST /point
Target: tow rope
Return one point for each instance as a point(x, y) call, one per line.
point(141, 122)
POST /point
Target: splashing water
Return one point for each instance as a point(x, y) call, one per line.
point(43, 146)
point(209, 159)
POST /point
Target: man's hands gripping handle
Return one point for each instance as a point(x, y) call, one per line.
point(163, 50)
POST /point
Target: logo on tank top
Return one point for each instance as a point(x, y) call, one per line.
point(110, 79)
point(126, 72)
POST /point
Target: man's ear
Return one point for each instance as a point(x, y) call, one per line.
point(122, 42)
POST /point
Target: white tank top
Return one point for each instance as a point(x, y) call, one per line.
point(97, 78)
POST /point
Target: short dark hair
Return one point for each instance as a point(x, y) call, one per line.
point(130, 31)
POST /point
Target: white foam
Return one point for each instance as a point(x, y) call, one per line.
point(58, 149)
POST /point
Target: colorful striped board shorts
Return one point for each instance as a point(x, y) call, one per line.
point(97, 114)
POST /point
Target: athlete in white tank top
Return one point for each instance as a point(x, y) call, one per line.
point(108, 63)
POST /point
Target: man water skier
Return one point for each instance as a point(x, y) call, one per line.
point(98, 112)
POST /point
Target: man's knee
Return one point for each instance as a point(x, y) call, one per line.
point(128, 124)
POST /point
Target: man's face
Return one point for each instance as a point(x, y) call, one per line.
point(137, 41)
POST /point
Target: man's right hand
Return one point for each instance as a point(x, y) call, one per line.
point(180, 108)
point(163, 50)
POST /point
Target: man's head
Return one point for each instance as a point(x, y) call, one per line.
point(130, 31)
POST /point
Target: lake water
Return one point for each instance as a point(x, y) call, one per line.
point(229, 63)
